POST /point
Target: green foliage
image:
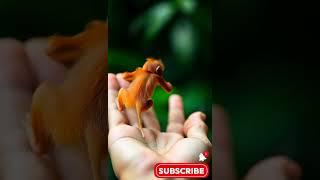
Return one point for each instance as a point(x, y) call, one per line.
point(171, 31)
point(119, 60)
point(178, 32)
point(154, 19)
point(183, 41)
point(34, 18)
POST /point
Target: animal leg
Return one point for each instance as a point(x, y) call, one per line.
point(138, 110)
point(147, 105)
point(36, 129)
point(121, 95)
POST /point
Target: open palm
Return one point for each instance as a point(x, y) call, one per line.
point(134, 156)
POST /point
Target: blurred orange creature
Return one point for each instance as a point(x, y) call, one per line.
point(74, 111)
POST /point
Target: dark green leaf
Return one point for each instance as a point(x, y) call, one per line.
point(183, 41)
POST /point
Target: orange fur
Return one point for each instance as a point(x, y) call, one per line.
point(74, 111)
point(142, 84)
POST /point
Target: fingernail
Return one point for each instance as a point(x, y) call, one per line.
point(293, 169)
point(112, 81)
point(176, 101)
point(119, 75)
point(202, 116)
point(175, 97)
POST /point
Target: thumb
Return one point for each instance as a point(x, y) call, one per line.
point(16, 83)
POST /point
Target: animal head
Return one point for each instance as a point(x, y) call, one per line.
point(153, 65)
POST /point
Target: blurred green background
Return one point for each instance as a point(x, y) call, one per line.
point(33, 18)
point(177, 31)
point(264, 78)
point(259, 67)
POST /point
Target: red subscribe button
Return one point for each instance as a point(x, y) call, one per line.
point(181, 170)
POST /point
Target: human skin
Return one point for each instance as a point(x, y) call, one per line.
point(133, 156)
point(24, 65)
point(74, 113)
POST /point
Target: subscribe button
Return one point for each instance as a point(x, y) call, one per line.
point(181, 170)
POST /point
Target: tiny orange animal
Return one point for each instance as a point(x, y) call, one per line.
point(74, 111)
point(143, 81)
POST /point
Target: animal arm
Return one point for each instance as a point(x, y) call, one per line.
point(142, 84)
point(75, 110)
point(128, 76)
point(164, 84)
point(65, 49)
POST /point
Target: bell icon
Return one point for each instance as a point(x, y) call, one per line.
point(202, 157)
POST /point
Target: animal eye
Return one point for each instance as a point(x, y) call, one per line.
point(159, 70)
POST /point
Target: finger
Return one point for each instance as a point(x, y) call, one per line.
point(150, 119)
point(16, 84)
point(45, 68)
point(122, 82)
point(277, 168)
point(15, 71)
point(194, 127)
point(115, 117)
point(197, 141)
point(223, 157)
point(176, 115)
point(132, 117)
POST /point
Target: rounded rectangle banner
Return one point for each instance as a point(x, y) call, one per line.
point(181, 170)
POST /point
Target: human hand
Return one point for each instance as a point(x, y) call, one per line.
point(23, 66)
point(275, 168)
point(133, 156)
